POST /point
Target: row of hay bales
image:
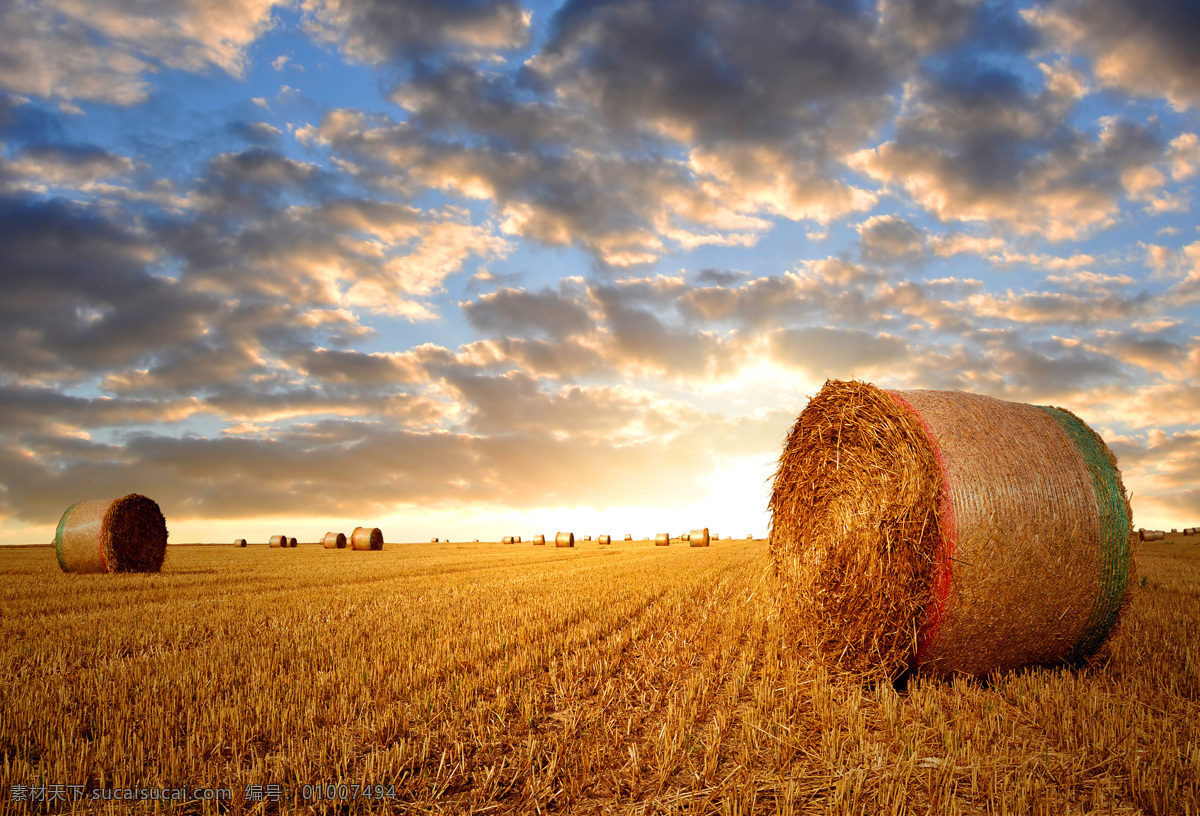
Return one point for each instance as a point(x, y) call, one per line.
point(1150, 535)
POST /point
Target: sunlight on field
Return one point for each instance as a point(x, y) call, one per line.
point(627, 678)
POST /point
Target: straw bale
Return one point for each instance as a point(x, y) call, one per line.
point(662, 540)
point(715, 537)
point(587, 538)
point(518, 539)
point(564, 540)
point(279, 542)
point(605, 539)
point(699, 538)
point(629, 536)
point(539, 539)
point(685, 537)
point(334, 541)
point(292, 542)
point(948, 532)
point(239, 542)
point(128, 534)
point(366, 538)
point(506, 540)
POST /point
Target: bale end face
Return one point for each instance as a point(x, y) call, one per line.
point(114, 535)
point(564, 540)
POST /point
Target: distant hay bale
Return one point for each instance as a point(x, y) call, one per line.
point(947, 532)
point(539, 539)
point(699, 538)
point(518, 539)
point(334, 541)
point(629, 536)
point(476, 541)
point(128, 534)
point(1159, 535)
point(366, 538)
point(604, 539)
point(587, 538)
point(239, 542)
point(291, 542)
point(662, 540)
point(507, 540)
point(715, 537)
point(279, 542)
point(564, 540)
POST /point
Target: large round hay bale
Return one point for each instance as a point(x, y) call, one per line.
point(604, 539)
point(948, 532)
point(564, 540)
point(366, 538)
point(278, 542)
point(239, 542)
point(507, 540)
point(698, 538)
point(662, 540)
point(292, 542)
point(1159, 535)
point(629, 536)
point(334, 541)
point(539, 539)
point(112, 535)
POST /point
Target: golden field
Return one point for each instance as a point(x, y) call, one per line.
point(480, 678)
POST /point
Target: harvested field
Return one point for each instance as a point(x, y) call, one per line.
point(625, 680)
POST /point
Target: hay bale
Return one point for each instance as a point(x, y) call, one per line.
point(699, 538)
point(366, 538)
point(948, 532)
point(239, 542)
point(629, 536)
point(1159, 535)
point(291, 542)
point(715, 537)
point(539, 540)
point(587, 538)
point(662, 540)
point(506, 540)
point(564, 540)
point(334, 541)
point(278, 542)
point(604, 539)
point(518, 539)
point(128, 534)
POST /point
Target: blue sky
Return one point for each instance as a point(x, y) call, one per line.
point(475, 268)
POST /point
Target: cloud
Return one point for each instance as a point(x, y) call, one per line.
point(512, 311)
point(1144, 47)
point(888, 239)
point(376, 31)
point(101, 50)
point(825, 352)
point(974, 145)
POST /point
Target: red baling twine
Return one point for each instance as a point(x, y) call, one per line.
point(945, 546)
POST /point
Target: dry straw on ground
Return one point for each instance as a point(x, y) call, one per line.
point(278, 542)
point(240, 542)
point(366, 538)
point(564, 540)
point(334, 541)
point(605, 539)
point(539, 539)
point(112, 535)
point(699, 538)
point(947, 531)
point(662, 540)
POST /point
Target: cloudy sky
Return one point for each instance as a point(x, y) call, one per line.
point(481, 267)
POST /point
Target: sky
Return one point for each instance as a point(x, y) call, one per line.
point(473, 268)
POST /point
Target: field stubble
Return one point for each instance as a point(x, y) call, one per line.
point(628, 679)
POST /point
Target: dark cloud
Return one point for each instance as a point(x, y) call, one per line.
point(376, 31)
point(718, 277)
point(521, 313)
point(890, 240)
point(1144, 47)
point(78, 296)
